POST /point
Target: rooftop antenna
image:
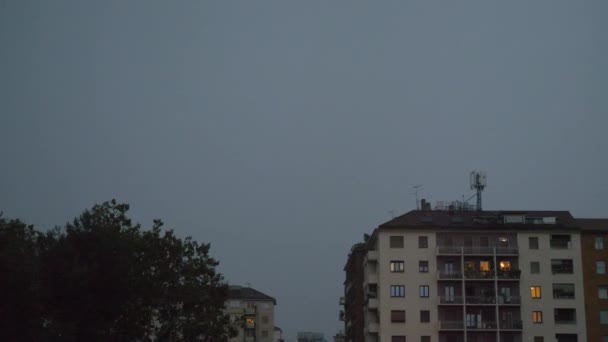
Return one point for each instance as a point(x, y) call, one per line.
point(416, 193)
point(478, 183)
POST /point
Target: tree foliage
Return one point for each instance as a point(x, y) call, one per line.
point(103, 278)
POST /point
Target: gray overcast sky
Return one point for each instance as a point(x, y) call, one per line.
point(281, 131)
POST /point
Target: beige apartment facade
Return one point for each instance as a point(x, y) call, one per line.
point(467, 277)
point(252, 313)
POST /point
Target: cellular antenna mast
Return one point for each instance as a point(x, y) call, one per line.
point(478, 183)
point(416, 193)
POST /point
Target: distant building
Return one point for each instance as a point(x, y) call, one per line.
point(340, 337)
point(484, 276)
point(253, 313)
point(311, 337)
point(278, 335)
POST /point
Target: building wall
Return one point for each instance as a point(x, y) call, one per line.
point(593, 304)
point(259, 310)
point(412, 303)
point(548, 328)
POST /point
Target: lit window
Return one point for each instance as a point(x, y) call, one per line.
point(534, 267)
point(599, 243)
point(603, 317)
point(505, 265)
point(396, 266)
point(484, 266)
point(535, 291)
point(602, 292)
point(424, 291)
point(250, 322)
point(600, 267)
point(423, 266)
point(397, 290)
point(537, 316)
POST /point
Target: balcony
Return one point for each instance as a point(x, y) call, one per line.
point(450, 250)
point(481, 300)
point(479, 275)
point(481, 325)
point(450, 300)
point(372, 303)
point(372, 327)
point(513, 274)
point(451, 325)
point(509, 300)
point(511, 325)
point(452, 275)
point(371, 278)
point(371, 256)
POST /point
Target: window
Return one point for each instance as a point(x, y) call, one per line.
point(398, 316)
point(503, 242)
point(265, 319)
point(537, 316)
point(423, 242)
point(505, 265)
point(566, 337)
point(562, 266)
point(600, 267)
point(535, 291)
point(484, 241)
point(599, 243)
point(563, 291)
point(560, 241)
point(424, 290)
point(564, 316)
point(235, 304)
point(602, 292)
point(539, 339)
point(484, 266)
point(396, 266)
point(534, 267)
point(425, 316)
point(423, 266)
point(264, 333)
point(533, 242)
point(397, 338)
point(397, 290)
point(428, 339)
point(603, 317)
point(396, 242)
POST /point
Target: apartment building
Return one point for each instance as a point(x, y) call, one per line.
point(594, 238)
point(353, 300)
point(475, 276)
point(252, 312)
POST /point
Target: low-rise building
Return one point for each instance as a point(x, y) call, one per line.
point(252, 312)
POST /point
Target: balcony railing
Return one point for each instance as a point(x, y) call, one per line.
point(451, 325)
point(450, 250)
point(509, 299)
point(509, 274)
point(481, 300)
point(513, 325)
point(449, 275)
point(450, 299)
point(481, 325)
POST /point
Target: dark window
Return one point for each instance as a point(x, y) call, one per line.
point(425, 316)
point(599, 243)
point(468, 241)
point(396, 266)
point(398, 316)
point(423, 266)
point(265, 319)
point(560, 241)
point(396, 241)
point(397, 338)
point(533, 241)
point(539, 339)
point(564, 315)
point(423, 242)
point(534, 267)
point(566, 337)
point(563, 291)
point(484, 241)
point(264, 333)
point(397, 290)
point(503, 242)
point(425, 338)
point(424, 290)
point(562, 266)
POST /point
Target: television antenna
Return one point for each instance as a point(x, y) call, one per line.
point(416, 193)
point(478, 183)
